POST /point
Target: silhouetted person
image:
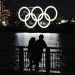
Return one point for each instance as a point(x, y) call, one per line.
point(31, 49)
point(40, 45)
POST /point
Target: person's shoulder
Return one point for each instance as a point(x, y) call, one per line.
point(37, 41)
point(44, 41)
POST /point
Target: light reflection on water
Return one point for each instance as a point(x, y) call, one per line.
point(52, 39)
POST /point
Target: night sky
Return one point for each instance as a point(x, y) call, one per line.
point(64, 7)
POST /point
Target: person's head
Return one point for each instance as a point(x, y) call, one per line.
point(32, 40)
point(41, 37)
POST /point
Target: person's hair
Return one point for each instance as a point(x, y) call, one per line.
point(41, 36)
point(32, 39)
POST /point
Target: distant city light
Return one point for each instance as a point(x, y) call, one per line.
point(73, 20)
point(4, 14)
point(43, 23)
point(4, 23)
point(58, 23)
point(64, 21)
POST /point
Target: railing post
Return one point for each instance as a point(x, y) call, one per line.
point(47, 60)
point(21, 59)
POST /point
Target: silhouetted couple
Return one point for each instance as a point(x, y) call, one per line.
point(35, 49)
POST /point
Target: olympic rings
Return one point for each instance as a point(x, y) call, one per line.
point(40, 16)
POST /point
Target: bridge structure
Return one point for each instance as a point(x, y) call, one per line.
point(15, 58)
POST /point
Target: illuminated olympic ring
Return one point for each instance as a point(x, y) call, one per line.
point(40, 17)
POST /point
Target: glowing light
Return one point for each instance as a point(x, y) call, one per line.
point(47, 18)
point(58, 23)
point(64, 21)
point(73, 20)
point(55, 12)
point(4, 23)
point(40, 16)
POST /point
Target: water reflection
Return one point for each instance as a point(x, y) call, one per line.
point(52, 39)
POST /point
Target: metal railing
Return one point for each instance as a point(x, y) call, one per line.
point(16, 58)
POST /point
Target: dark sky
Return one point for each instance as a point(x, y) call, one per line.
point(64, 7)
